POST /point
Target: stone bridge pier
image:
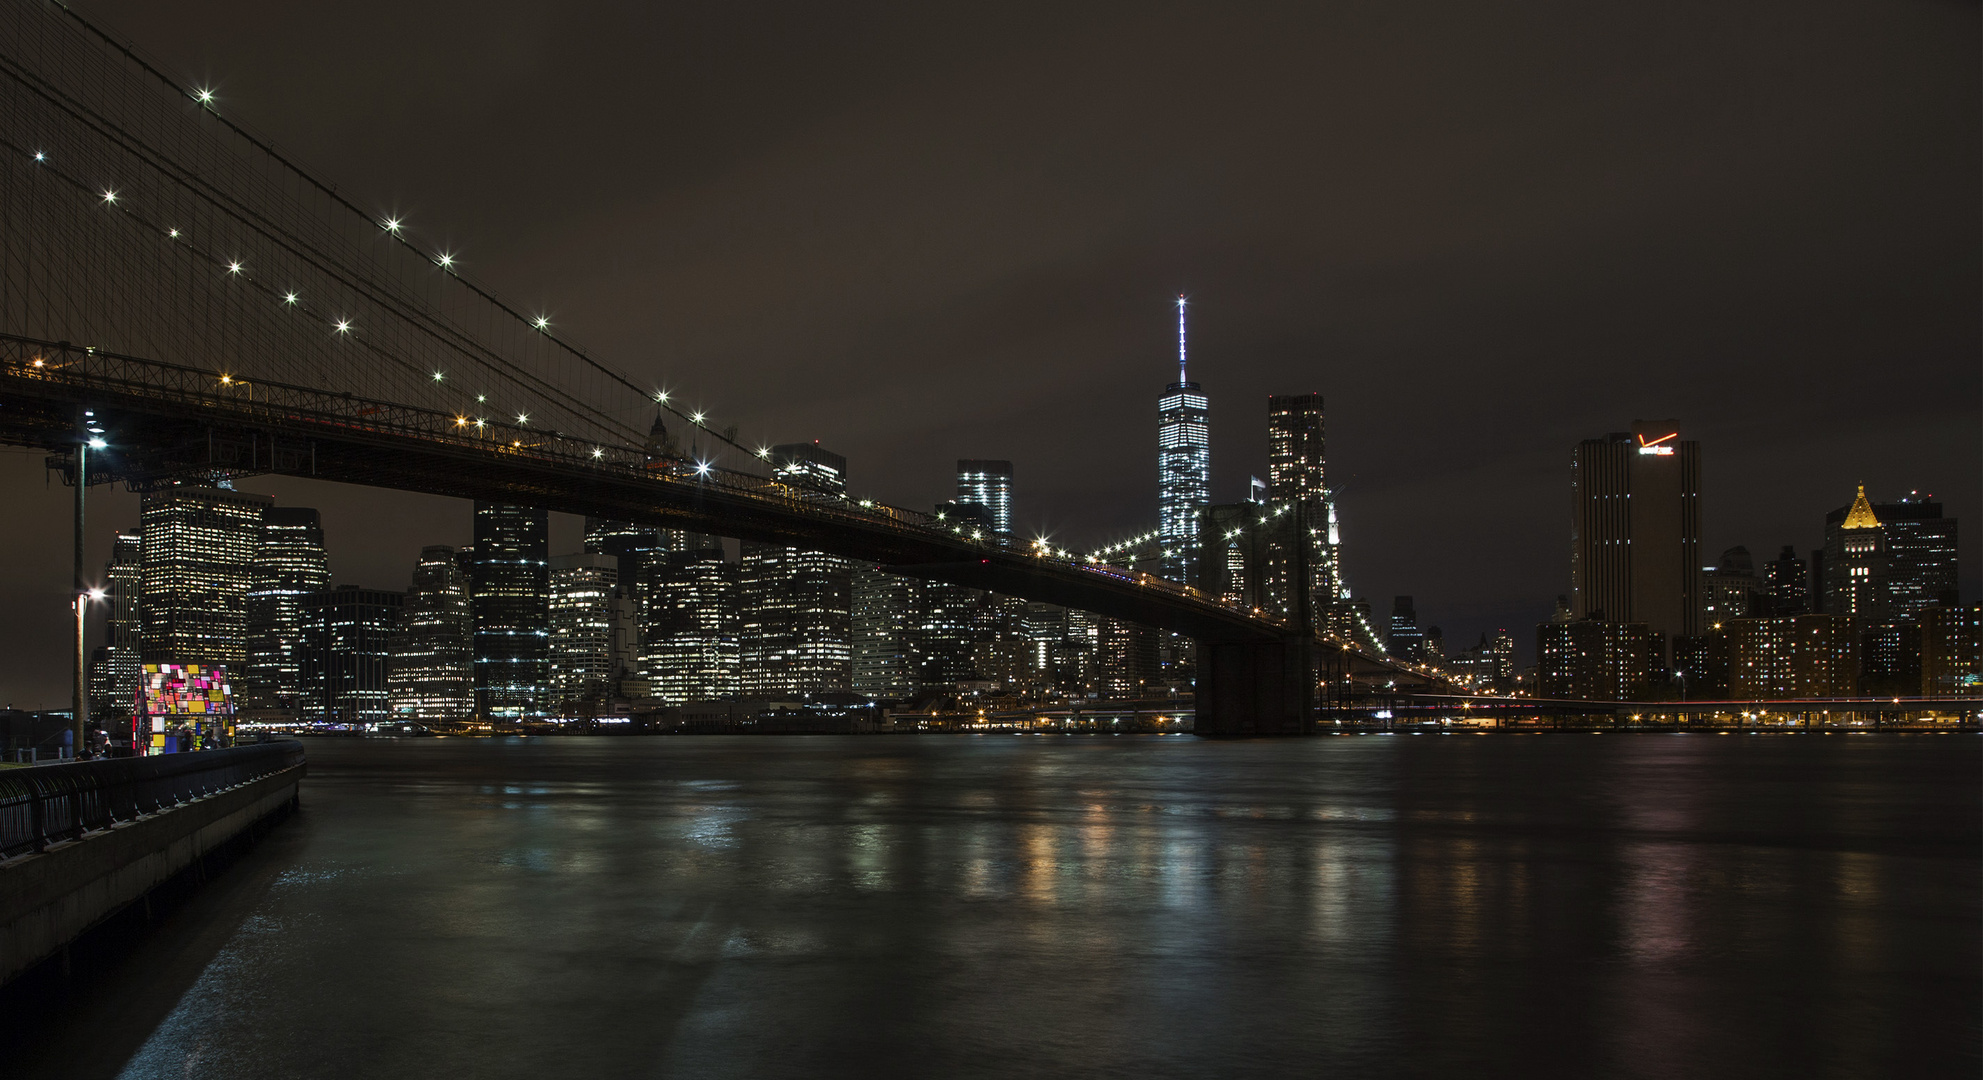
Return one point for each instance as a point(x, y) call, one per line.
point(1255, 688)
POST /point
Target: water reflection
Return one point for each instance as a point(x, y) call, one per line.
point(1105, 907)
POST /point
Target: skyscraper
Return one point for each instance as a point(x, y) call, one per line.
point(1787, 585)
point(289, 565)
point(124, 581)
point(1635, 532)
point(1297, 481)
point(197, 548)
point(1921, 553)
point(797, 605)
point(1730, 588)
point(510, 605)
point(1856, 562)
point(1184, 466)
point(583, 593)
point(346, 654)
point(988, 484)
point(692, 649)
point(1406, 640)
point(432, 675)
point(885, 623)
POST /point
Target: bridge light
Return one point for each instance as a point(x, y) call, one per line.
point(203, 95)
point(661, 396)
point(110, 196)
point(461, 421)
point(172, 234)
point(391, 225)
point(765, 452)
point(234, 267)
point(97, 594)
point(479, 422)
point(39, 156)
point(445, 261)
point(480, 398)
point(541, 322)
point(598, 453)
point(226, 379)
point(523, 418)
point(289, 298)
point(696, 418)
point(97, 443)
point(344, 326)
point(437, 376)
point(702, 468)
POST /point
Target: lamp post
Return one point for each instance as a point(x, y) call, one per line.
point(89, 438)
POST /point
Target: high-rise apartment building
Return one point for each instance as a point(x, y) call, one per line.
point(692, 647)
point(197, 548)
point(1592, 660)
point(1792, 656)
point(432, 675)
point(1184, 466)
point(347, 655)
point(987, 483)
point(510, 606)
point(1635, 532)
point(289, 565)
point(584, 599)
point(1951, 651)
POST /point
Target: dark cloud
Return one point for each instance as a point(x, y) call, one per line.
point(920, 232)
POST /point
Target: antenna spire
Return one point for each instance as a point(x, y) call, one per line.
point(1180, 338)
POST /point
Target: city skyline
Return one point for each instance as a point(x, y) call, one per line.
point(1403, 471)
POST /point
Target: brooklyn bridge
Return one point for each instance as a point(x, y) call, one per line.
point(179, 299)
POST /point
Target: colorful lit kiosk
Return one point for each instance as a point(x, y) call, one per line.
point(184, 708)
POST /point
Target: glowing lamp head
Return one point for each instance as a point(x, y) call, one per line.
point(97, 443)
point(97, 594)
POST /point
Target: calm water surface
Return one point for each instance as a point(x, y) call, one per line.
point(1658, 906)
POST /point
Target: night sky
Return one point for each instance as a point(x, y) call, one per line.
point(924, 232)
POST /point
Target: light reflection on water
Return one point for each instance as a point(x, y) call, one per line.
point(1107, 907)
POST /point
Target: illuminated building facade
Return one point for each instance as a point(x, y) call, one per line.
point(1856, 562)
point(885, 624)
point(1184, 466)
point(347, 653)
point(584, 600)
point(289, 565)
point(123, 580)
point(1792, 656)
point(1952, 651)
point(797, 634)
point(1592, 660)
point(1787, 587)
point(1405, 640)
point(986, 483)
point(197, 549)
point(692, 646)
point(1635, 532)
point(432, 675)
point(509, 603)
point(1730, 589)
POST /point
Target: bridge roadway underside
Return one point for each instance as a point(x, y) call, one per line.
point(1250, 680)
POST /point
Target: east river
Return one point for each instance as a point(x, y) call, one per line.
point(1078, 906)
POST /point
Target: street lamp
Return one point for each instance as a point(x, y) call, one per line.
point(89, 438)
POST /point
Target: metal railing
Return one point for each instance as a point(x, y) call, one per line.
point(48, 804)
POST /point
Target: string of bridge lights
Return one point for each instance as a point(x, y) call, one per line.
point(395, 227)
